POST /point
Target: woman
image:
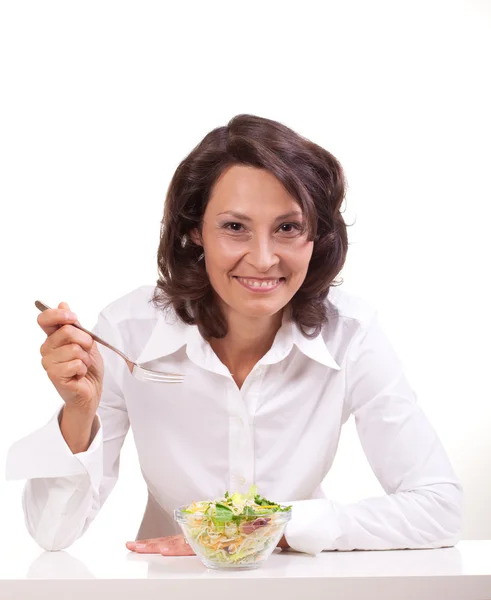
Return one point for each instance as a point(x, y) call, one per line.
point(276, 358)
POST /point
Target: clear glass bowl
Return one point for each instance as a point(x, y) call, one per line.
point(233, 545)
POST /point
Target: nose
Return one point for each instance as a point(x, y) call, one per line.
point(262, 254)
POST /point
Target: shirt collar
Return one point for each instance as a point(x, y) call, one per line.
point(315, 348)
point(169, 334)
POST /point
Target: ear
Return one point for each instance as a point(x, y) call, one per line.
point(195, 237)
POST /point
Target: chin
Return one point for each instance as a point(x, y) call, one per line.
point(258, 309)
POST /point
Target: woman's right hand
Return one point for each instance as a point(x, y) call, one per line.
point(71, 359)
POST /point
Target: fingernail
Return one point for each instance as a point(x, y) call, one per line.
point(141, 546)
point(71, 316)
point(130, 545)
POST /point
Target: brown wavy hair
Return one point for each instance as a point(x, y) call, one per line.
point(310, 174)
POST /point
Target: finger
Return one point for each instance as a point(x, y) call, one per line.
point(68, 370)
point(66, 334)
point(50, 319)
point(183, 550)
point(151, 548)
point(69, 352)
point(150, 544)
point(173, 545)
point(176, 546)
point(64, 306)
point(148, 540)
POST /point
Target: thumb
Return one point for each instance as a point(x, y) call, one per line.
point(65, 306)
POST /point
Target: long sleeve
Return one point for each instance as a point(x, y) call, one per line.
point(64, 491)
point(422, 507)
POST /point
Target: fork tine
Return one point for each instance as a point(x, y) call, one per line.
point(171, 378)
point(164, 379)
point(143, 374)
point(160, 377)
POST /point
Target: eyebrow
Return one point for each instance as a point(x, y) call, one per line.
point(242, 217)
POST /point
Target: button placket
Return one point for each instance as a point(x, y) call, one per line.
point(240, 449)
point(249, 395)
point(254, 391)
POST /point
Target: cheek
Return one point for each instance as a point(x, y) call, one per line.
point(222, 254)
point(298, 257)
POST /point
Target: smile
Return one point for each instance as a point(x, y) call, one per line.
point(260, 285)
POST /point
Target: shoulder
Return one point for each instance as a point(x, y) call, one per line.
point(346, 305)
point(131, 320)
point(349, 315)
point(135, 305)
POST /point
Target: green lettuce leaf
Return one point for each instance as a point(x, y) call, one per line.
point(223, 513)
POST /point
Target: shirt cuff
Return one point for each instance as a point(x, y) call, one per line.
point(313, 526)
point(45, 453)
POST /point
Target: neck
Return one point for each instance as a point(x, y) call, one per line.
point(248, 339)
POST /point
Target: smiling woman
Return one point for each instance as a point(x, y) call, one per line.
point(261, 205)
point(276, 359)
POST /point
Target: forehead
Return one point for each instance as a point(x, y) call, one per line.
point(248, 189)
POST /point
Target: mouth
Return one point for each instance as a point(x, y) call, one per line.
point(255, 284)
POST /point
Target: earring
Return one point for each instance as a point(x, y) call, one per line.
point(201, 256)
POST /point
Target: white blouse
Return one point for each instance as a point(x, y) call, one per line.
point(197, 439)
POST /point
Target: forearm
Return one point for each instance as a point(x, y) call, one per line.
point(78, 429)
point(429, 517)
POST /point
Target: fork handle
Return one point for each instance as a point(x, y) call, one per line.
point(42, 307)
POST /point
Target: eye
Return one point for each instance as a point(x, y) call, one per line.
point(233, 226)
point(290, 227)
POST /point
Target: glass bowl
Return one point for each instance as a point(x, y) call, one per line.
point(244, 543)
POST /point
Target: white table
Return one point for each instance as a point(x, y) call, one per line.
point(462, 572)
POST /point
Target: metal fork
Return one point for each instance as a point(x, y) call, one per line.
point(136, 370)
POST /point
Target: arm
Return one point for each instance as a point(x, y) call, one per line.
point(422, 507)
point(64, 490)
point(78, 428)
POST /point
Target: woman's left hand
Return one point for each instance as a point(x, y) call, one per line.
point(172, 545)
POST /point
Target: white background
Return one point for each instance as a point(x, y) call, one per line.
point(101, 100)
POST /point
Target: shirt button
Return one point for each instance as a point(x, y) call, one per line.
point(241, 480)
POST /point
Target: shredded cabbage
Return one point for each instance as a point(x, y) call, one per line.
point(235, 529)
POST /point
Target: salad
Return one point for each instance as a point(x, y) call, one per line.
point(235, 529)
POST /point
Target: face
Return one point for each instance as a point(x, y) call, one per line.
point(254, 240)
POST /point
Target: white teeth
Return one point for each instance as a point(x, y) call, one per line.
point(255, 283)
